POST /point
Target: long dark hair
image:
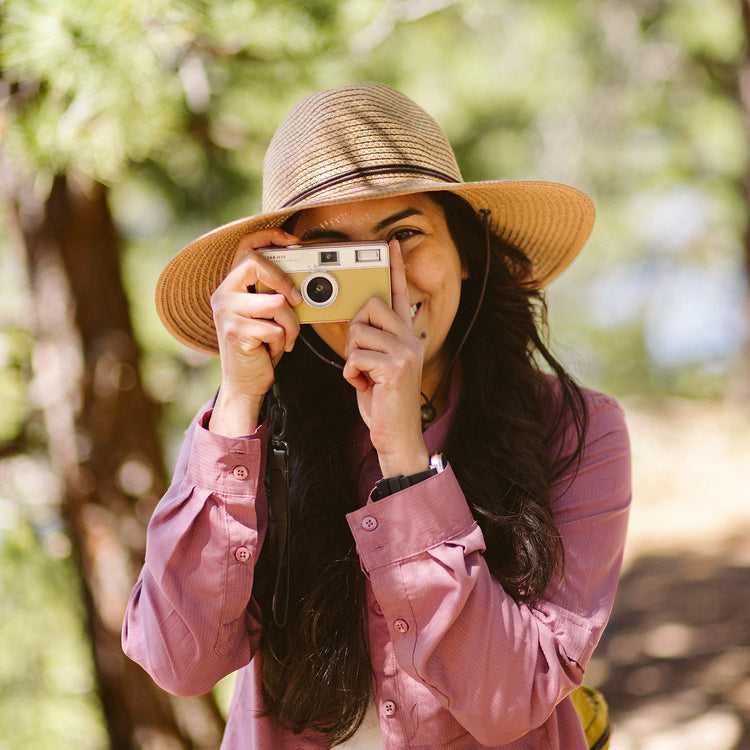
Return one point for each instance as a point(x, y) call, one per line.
point(516, 403)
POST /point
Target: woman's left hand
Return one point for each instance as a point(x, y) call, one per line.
point(384, 363)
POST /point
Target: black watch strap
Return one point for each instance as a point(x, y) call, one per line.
point(390, 485)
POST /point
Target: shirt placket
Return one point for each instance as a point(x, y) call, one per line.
point(394, 714)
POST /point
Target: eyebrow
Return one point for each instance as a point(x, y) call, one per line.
point(333, 234)
point(405, 214)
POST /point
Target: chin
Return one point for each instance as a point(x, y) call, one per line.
point(334, 335)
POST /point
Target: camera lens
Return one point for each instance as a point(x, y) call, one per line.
point(319, 289)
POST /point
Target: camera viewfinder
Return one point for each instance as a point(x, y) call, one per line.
point(329, 257)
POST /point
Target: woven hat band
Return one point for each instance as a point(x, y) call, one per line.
point(369, 177)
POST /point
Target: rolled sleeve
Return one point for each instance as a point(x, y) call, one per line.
point(226, 466)
point(411, 521)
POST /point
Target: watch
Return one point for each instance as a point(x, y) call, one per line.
point(389, 485)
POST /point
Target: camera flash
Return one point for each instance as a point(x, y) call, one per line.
point(368, 255)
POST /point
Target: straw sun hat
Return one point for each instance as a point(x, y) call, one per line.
point(355, 143)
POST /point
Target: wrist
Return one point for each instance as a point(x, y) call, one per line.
point(235, 414)
point(403, 464)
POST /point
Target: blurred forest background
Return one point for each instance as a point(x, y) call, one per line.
point(129, 128)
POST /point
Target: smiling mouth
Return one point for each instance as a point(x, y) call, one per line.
point(415, 309)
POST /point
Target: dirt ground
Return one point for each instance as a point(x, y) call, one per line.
point(674, 662)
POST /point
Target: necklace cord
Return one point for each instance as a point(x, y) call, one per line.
point(331, 362)
point(279, 501)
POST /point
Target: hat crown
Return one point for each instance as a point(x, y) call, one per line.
point(350, 142)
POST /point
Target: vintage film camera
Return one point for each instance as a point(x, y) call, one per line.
point(335, 280)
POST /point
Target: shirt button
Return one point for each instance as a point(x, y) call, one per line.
point(389, 707)
point(240, 472)
point(242, 554)
point(401, 626)
point(369, 523)
point(378, 608)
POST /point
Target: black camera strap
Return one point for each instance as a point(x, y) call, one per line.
point(278, 461)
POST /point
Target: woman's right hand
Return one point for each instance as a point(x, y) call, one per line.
point(253, 331)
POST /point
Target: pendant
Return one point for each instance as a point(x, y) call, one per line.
point(428, 413)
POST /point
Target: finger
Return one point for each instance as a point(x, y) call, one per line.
point(263, 238)
point(369, 332)
point(251, 267)
point(399, 287)
point(271, 307)
point(377, 314)
point(383, 356)
point(256, 332)
point(356, 375)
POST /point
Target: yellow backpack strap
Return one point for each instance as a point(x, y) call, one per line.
point(594, 715)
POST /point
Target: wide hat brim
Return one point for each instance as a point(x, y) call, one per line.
point(549, 222)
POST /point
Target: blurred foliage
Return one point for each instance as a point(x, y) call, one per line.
point(172, 103)
point(47, 695)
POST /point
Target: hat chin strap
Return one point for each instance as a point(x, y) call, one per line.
point(428, 411)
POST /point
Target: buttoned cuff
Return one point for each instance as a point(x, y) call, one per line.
point(411, 521)
point(231, 466)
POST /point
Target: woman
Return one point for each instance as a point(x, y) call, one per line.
point(457, 506)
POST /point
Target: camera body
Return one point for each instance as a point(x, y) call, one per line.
point(335, 279)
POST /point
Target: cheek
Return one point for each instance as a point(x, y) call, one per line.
point(439, 277)
point(424, 271)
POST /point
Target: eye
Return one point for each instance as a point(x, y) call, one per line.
point(404, 234)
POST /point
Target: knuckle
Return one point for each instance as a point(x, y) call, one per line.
point(234, 336)
point(402, 365)
point(275, 302)
point(355, 329)
point(245, 347)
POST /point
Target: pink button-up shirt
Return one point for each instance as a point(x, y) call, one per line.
point(457, 662)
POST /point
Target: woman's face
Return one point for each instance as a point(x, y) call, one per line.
point(433, 265)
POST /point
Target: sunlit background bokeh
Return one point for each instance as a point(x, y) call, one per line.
point(643, 104)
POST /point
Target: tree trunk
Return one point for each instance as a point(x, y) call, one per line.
point(103, 439)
